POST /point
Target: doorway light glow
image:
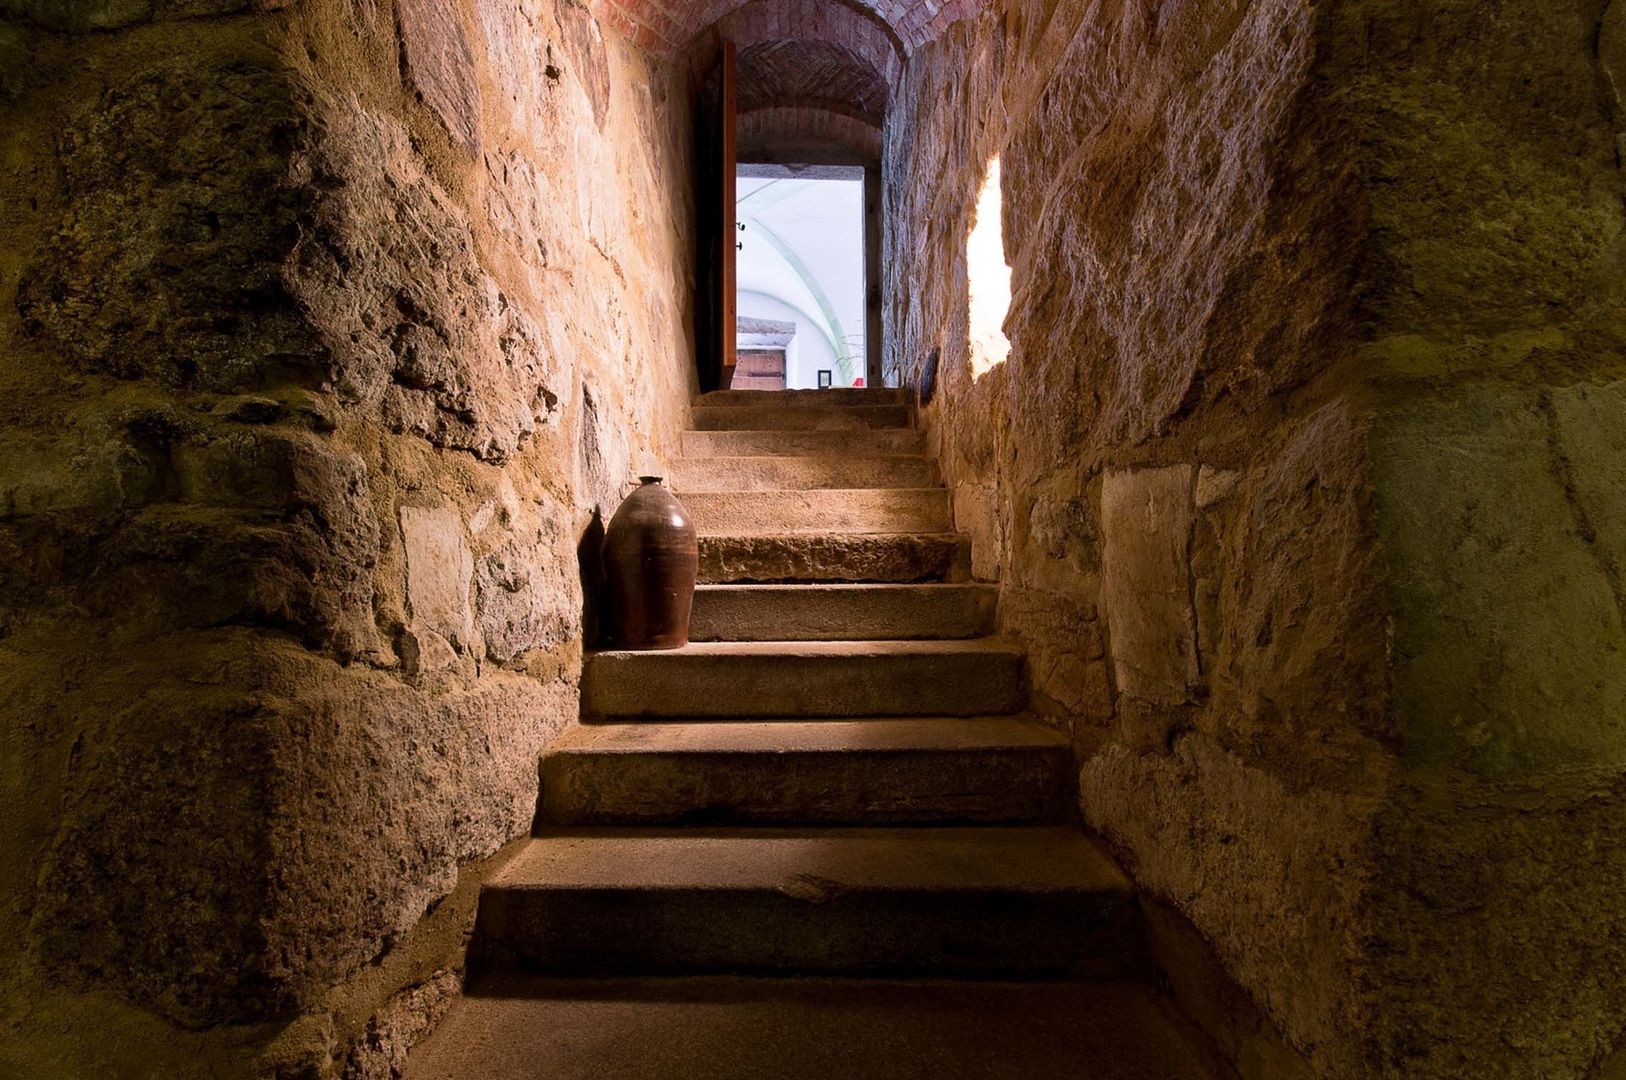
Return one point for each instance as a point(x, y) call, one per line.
point(988, 279)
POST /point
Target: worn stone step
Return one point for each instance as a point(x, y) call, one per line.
point(835, 557)
point(883, 771)
point(837, 395)
point(768, 473)
point(880, 442)
point(841, 612)
point(979, 901)
point(982, 676)
point(732, 1027)
point(798, 417)
point(777, 513)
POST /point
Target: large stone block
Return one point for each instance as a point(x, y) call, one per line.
point(438, 66)
point(1499, 904)
point(166, 262)
point(528, 590)
point(1146, 519)
point(155, 879)
point(413, 322)
point(231, 843)
point(114, 14)
point(1590, 425)
point(1275, 875)
point(1300, 610)
point(440, 572)
point(1508, 624)
point(584, 44)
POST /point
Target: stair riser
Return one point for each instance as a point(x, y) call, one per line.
point(798, 418)
point(938, 932)
point(876, 510)
point(811, 613)
point(886, 442)
point(653, 684)
point(992, 785)
point(835, 558)
point(797, 473)
point(843, 396)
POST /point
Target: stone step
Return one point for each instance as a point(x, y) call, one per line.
point(785, 473)
point(870, 772)
point(798, 417)
point(982, 676)
point(841, 612)
point(731, 1027)
point(836, 557)
point(839, 395)
point(882, 442)
point(979, 901)
point(859, 510)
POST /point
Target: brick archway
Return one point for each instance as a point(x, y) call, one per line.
point(670, 26)
point(807, 133)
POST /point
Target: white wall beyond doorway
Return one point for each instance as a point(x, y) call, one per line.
point(801, 260)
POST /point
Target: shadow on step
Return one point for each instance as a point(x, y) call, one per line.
point(725, 1028)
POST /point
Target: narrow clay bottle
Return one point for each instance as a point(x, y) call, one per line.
point(651, 559)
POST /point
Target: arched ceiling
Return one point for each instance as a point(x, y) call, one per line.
point(671, 26)
point(812, 74)
point(795, 134)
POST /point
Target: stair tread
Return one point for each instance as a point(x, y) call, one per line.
point(737, 1028)
point(821, 494)
point(802, 472)
point(940, 536)
point(818, 511)
point(794, 416)
point(829, 397)
point(1026, 858)
point(830, 457)
point(771, 442)
point(900, 588)
point(804, 736)
point(833, 557)
point(929, 647)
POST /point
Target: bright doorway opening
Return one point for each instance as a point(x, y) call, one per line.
point(800, 277)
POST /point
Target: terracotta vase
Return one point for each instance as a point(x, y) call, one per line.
point(651, 559)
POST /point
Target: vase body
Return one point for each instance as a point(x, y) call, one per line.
point(651, 559)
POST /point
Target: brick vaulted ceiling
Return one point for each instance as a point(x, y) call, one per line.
point(670, 25)
point(810, 71)
point(810, 74)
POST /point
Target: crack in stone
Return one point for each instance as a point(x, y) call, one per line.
point(1584, 526)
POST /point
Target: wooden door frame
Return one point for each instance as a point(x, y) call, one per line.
point(873, 287)
point(728, 278)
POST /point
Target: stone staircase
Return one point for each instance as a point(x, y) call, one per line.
point(835, 777)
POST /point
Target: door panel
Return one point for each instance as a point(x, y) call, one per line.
point(760, 369)
point(729, 147)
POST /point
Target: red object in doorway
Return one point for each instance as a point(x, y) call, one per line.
point(858, 381)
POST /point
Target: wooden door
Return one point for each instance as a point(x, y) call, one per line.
point(760, 369)
point(728, 331)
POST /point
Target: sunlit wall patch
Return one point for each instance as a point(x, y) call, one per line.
point(988, 279)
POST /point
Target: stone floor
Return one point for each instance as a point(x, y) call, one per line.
point(723, 1028)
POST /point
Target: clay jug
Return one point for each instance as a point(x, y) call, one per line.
point(651, 559)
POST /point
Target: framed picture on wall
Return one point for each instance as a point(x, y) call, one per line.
point(824, 379)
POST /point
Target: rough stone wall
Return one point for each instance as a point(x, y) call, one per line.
point(1496, 320)
point(1302, 485)
point(327, 328)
